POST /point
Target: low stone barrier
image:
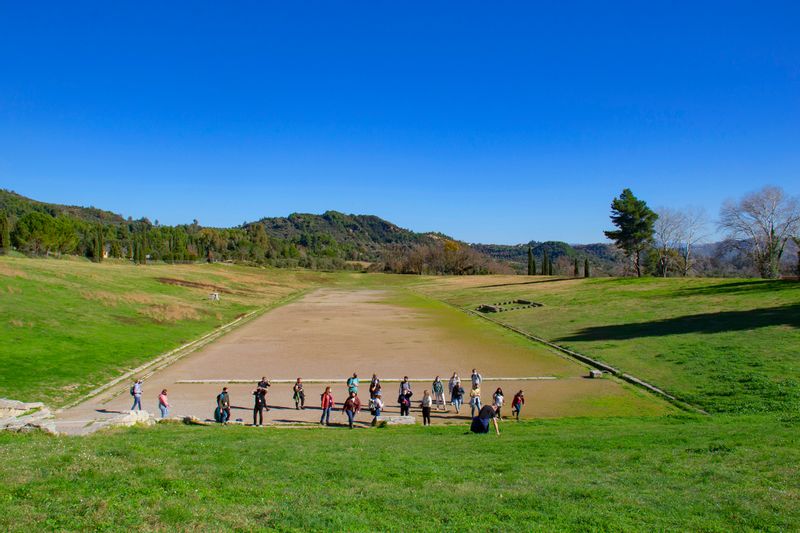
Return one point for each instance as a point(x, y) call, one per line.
point(383, 421)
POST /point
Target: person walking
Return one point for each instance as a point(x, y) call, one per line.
point(438, 393)
point(480, 423)
point(163, 403)
point(352, 405)
point(352, 384)
point(475, 399)
point(476, 378)
point(405, 404)
point(259, 403)
point(374, 385)
point(454, 380)
point(224, 405)
point(326, 399)
point(457, 396)
point(405, 387)
point(136, 392)
point(498, 399)
point(426, 404)
point(517, 403)
point(298, 394)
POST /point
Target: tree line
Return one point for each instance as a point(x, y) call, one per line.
point(661, 242)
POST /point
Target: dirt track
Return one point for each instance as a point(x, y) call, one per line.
point(331, 333)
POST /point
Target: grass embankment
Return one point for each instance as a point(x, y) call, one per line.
point(724, 345)
point(69, 325)
point(669, 473)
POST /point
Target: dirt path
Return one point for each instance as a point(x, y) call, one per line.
point(331, 333)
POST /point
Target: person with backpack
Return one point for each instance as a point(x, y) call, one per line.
point(405, 403)
point(223, 406)
point(426, 403)
point(136, 392)
point(298, 395)
point(352, 405)
point(475, 399)
point(163, 403)
point(352, 384)
point(454, 380)
point(438, 393)
point(517, 403)
point(499, 399)
point(457, 396)
point(405, 387)
point(259, 403)
point(326, 399)
point(477, 379)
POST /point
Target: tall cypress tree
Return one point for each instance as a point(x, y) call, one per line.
point(586, 273)
point(5, 233)
point(99, 245)
point(575, 272)
point(531, 264)
point(545, 261)
point(549, 267)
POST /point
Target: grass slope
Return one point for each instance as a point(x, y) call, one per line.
point(727, 345)
point(73, 324)
point(671, 473)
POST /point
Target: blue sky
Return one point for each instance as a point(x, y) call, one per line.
point(489, 121)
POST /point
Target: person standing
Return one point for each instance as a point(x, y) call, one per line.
point(475, 399)
point(480, 423)
point(352, 405)
point(438, 393)
point(499, 399)
point(517, 403)
point(377, 404)
point(259, 403)
point(352, 384)
point(163, 403)
point(224, 405)
point(298, 394)
point(477, 379)
point(136, 392)
point(454, 380)
point(405, 387)
point(374, 385)
point(326, 399)
point(426, 404)
point(405, 404)
point(264, 385)
point(457, 396)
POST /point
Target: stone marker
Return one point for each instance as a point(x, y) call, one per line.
point(594, 373)
point(382, 421)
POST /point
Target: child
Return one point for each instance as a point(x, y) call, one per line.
point(405, 404)
point(517, 403)
point(426, 404)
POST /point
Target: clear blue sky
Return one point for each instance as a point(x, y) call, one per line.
point(490, 121)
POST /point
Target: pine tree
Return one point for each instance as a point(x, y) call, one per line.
point(531, 264)
point(586, 273)
point(5, 233)
point(635, 222)
point(575, 272)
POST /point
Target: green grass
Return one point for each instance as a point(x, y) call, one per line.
point(724, 345)
point(69, 325)
point(671, 473)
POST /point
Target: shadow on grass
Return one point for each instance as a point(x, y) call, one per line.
point(524, 283)
point(787, 315)
point(740, 287)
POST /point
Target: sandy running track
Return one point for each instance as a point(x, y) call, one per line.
point(331, 333)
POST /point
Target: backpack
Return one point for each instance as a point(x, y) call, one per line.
point(132, 390)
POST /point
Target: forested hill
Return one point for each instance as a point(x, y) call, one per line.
point(603, 257)
point(16, 205)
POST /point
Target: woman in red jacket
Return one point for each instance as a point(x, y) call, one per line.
point(327, 405)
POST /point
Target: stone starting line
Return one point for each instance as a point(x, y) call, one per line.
point(344, 380)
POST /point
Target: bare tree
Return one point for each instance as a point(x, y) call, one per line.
point(760, 224)
point(666, 233)
point(693, 230)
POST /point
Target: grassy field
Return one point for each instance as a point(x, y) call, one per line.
point(671, 473)
point(70, 325)
point(722, 344)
